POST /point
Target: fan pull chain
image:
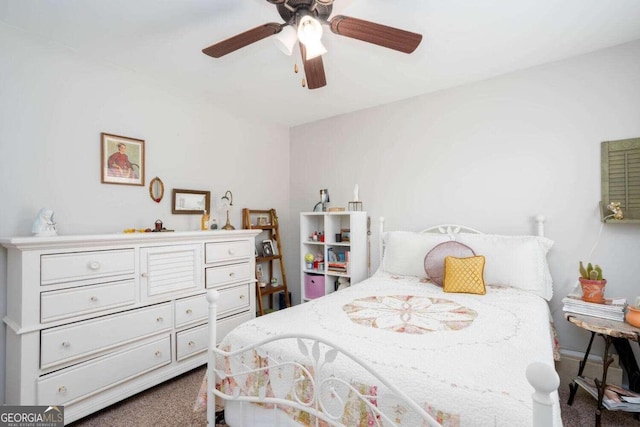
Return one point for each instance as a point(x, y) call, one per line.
point(296, 69)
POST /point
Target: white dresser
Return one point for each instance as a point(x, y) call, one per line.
point(92, 320)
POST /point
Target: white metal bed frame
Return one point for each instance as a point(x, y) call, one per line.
point(320, 353)
point(452, 230)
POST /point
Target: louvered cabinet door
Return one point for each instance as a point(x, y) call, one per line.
point(167, 270)
point(621, 176)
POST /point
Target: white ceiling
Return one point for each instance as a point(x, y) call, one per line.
point(464, 41)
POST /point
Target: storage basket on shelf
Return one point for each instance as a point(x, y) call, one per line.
point(313, 286)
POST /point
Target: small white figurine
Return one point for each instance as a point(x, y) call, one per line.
point(355, 194)
point(44, 225)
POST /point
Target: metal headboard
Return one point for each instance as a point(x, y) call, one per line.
point(451, 230)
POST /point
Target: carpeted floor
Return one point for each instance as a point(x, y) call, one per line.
point(171, 405)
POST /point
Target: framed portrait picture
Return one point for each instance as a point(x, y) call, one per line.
point(345, 235)
point(263, 220)
point(267, 248)
point(122, 160)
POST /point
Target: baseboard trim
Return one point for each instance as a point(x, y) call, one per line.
point(569, 365)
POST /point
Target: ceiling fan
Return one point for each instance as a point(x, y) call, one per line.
point(303, 23)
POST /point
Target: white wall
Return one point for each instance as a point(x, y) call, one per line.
point(490, 155)
point(53, 106)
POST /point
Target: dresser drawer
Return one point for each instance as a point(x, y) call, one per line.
point(227, 251)
point(85, 379)
point(216, 276)
point(192, 341)
point(60, 268)
point(56, 305)
point(81, 339)
point(192, 309)
point(233, 300)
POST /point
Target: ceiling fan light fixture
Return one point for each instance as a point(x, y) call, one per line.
point(286, 39)
point(306, 18)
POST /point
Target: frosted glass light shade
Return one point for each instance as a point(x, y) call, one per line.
point(309, 30)
point(286, 39)
point(315, 49)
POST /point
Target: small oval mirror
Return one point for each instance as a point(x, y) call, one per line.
point(156, 189)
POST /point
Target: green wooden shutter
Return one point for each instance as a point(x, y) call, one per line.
point(621, 176)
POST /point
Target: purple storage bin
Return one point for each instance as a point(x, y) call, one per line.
point(313, 286)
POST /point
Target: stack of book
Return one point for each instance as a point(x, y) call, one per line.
point(338, 262)
point(611, 309)
point(338, 267)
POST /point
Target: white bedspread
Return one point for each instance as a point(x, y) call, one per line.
point(460, 356)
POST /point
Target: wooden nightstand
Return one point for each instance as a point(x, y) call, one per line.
point(608, 330)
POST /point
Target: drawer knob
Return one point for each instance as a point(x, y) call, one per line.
point(232, 274)
point(158, 353)
point(66, 344)
point(241, 296)
point(232, 252)
point(93, 299)
point(159, 319)
point(189, 311)
point(62, 389)
point(191, 343)
point(144, 275)
point(94, 265)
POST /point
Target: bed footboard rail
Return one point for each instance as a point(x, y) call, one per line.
point(306, 384)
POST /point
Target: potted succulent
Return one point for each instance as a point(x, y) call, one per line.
point(592, 283)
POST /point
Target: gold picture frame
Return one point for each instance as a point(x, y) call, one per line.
point(121, 160)
point(156, 189)
point(190, 202)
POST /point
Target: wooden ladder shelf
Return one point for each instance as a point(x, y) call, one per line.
point(250, 221)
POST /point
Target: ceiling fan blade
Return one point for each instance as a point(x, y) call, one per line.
point(370, 32)
point(313, 70)
point(241, 40)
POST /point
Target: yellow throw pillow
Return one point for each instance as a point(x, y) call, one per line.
point(464, 275)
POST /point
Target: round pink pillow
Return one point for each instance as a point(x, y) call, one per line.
point(434, 260)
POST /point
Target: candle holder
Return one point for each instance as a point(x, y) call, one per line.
point(355, 206)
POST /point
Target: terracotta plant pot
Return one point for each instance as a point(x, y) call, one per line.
point(593, 290)
point(633, 316)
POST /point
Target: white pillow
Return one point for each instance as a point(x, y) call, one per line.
point(404, 251)
point(516, 261)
